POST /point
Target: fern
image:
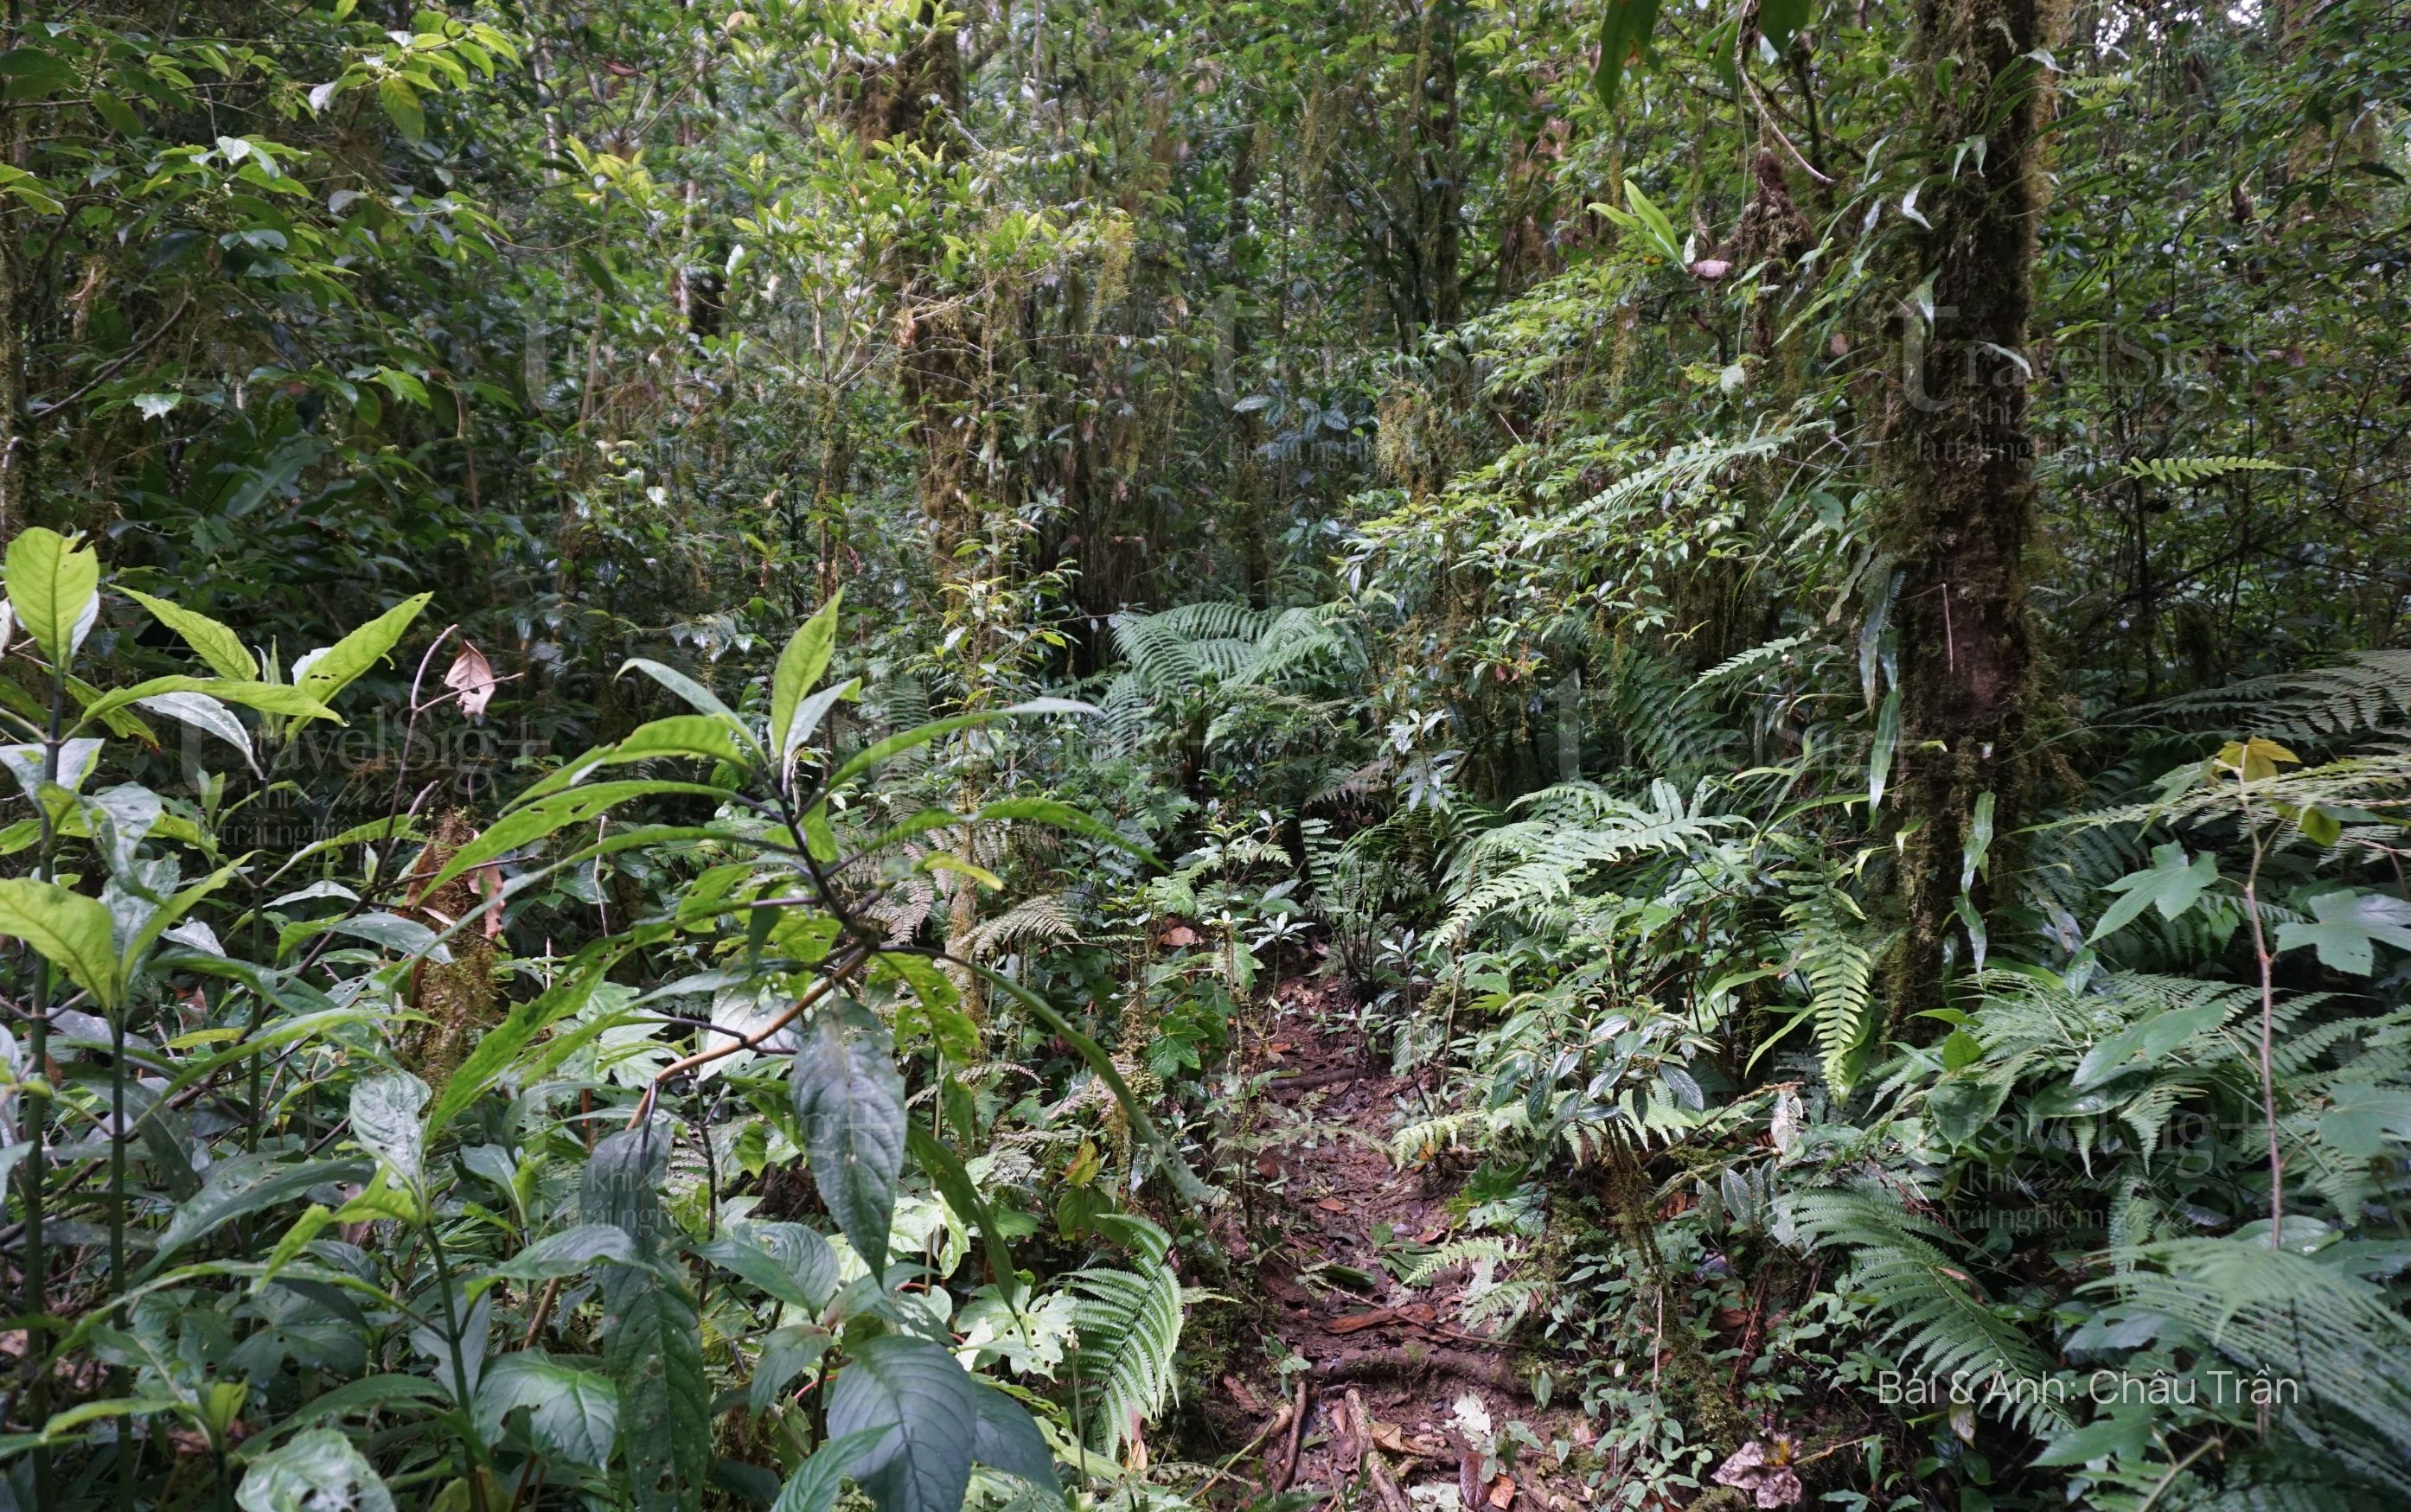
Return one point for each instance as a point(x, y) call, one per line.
point(2183, 471)
point(2296, 1317)
point(2315, 705)
point(1459, 1252)
point(1943, 1327)
point(1129, 1327)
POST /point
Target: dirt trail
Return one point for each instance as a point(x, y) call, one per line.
point(1340, 1229)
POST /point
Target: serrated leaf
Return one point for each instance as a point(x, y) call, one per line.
point(850, 1101)
point(653, 1343)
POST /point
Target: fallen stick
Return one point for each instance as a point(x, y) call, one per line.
point(1280, 1420)
point(1393, 1499)
point(1298, 1414)
point(1307, 1080)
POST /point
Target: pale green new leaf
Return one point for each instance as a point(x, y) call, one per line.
point(71, 930)
point(52, 584)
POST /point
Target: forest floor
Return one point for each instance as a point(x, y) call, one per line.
point(1331, 1229)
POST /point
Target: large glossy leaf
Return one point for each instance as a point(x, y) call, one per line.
point(318, 1471)
point(815, 1484)
point(51, 585)
point(385, 1119)
point(799, 667)
point(784, 1261)
point(573, 1411)
point(71, 930)
point(924, 1393)
point(850, 1101)
point(216, 645)
point(653, 1341)
point(1005, 1437)
point(324, 674)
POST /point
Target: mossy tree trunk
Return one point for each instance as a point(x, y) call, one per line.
point(1961, 513)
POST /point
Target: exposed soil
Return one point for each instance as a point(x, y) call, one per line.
point(1328, 1210)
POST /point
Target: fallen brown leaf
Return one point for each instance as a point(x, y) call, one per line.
point(1502, 1491)
point(1373, 1319)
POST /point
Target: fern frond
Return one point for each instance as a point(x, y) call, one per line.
point(1129, 1327)
point(2180, 471)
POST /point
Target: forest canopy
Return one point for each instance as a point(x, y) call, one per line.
point(1415, 756)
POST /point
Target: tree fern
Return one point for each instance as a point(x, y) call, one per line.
point(2312, 706)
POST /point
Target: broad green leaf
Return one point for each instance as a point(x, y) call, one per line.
point(220, 647)
point(2342, 924)
point(1623, 36)
point(318, 1471)
point(245, 1184)
point(385, 1119)
point(567, 1253)
point(53, 584)
point(1006, 1438)
point(2150, 1041)
point(1780, 21)
point(919, 1389)
point(574, 1413)
point(2363, 1116)
point(71, 931)
point(205, 714)
point(267, 697)
point(785, 1261)
point(815, 1484)
point(850, 1101)
point(2172, 884)
point(704, 736)
point(800, 669)
point(402, 108)
point(579, 806)
point(324, 674)
point(652, 1343)
point(698, 698)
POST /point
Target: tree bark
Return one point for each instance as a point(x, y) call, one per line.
point(1962, 463)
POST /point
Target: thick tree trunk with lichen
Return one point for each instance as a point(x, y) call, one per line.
point(916, 104)
point(1962, 464)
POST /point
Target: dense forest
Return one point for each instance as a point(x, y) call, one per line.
point(1392, 756)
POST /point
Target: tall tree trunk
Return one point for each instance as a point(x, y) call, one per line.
point(1962, 463)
